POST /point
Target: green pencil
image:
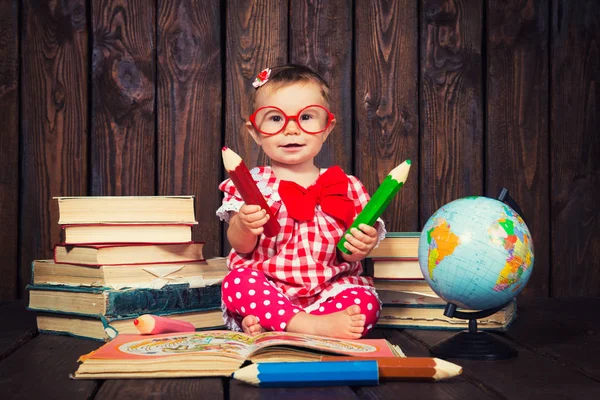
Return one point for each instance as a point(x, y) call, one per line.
point(380, 200)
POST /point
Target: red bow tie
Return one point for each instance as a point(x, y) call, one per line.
point(330, 191)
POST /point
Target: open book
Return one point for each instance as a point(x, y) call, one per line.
point(215, 353)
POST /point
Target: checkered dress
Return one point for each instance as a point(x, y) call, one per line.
point(301, 261)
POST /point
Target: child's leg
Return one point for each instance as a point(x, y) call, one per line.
point(364, 298)
point(247, 293)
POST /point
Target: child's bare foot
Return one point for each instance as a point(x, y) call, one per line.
point(346, 324)
point(251, 326)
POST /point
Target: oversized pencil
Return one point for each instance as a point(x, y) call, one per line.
point(303, 374)
point(409, 368)
point(380, 200)
point(153, 324)
point(241, 178)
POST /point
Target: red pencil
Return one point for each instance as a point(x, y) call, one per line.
point(148, 324)
point(241, 178)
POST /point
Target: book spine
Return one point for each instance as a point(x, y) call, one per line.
point(403, 235)
point(32, 272)
point(149, 301)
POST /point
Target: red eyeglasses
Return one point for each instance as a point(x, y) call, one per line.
point(271, 120)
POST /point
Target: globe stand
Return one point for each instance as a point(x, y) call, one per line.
point(471, 344)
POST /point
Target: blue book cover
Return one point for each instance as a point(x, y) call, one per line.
point(122, 303)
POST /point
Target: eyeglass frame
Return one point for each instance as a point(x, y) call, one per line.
point(330, 117)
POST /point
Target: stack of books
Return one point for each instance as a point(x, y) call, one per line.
point(408, 300)
point(121, 257)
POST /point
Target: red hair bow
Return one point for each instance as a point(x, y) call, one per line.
point(330, 191)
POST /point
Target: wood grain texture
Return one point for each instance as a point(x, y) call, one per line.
point(205, 388)
point(54, 126)
point(517, 119)
point(256, 38)
point(451, 103)
point(541, 322)
point(189, 122)
point(321, 38)
point(551, 336)
point(123, 76)
point(575, 148)
point(386, 91)
point(9, 147)
point(18, 327)
point(243, 391)
point(41, 369)
point(460, 387)
point(531, 375)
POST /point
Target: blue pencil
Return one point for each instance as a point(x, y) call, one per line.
point(303, 374)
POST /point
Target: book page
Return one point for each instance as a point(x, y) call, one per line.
point(357, 348)
point(201, 344)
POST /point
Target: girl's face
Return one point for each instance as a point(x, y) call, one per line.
point(292, 146)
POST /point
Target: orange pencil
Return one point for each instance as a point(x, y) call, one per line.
point(152, 324)
point(408, 368)
point(241, 178)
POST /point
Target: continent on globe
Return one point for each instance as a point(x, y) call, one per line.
point(442, 243)
point(517, 244)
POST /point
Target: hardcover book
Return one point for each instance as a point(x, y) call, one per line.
point(128, 254)
point(397, 268)
point(110, 209)
point(121, 303)
point(408, 316)
point(127, 233)
point(397, 244)
point(151, 276)
point(410, 292)
point(215, 353)
point(105, 328)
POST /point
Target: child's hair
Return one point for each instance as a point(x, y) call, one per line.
point(289, 74)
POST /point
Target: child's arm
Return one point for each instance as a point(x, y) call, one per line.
point(245, 227)
point(359, 243)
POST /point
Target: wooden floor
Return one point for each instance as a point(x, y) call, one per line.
point(558, 344)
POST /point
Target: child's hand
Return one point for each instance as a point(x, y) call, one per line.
point(360, 242)
point(253, 218)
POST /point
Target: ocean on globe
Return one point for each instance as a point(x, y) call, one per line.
point(476, 252)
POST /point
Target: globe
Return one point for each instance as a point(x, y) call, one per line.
point(476, 252)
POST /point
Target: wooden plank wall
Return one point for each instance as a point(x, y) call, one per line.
point(115, 97)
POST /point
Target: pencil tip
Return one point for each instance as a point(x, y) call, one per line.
point(446, 369)
point(224, 148)
point(408, 161)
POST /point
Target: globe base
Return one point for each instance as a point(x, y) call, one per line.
point(473, 346)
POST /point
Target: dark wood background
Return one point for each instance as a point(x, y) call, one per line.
point(117, 97)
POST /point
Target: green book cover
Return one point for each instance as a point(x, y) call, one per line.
point(402, 235)
point(133, 302)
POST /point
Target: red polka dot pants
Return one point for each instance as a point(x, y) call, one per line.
point(248, 292)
